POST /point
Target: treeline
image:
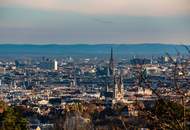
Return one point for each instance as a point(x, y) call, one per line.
point(11, 118)
point(161, 115)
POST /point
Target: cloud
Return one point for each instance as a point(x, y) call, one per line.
point(107, 7)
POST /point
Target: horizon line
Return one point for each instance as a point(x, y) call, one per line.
point(44, 44)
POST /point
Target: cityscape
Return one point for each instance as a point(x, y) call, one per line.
point(94, 64)
point(97, 93)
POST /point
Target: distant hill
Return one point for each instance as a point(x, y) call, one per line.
point(84, 49)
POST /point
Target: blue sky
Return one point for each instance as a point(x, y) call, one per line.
point(94, 21)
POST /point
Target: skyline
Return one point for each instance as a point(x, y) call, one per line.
point(94, 22)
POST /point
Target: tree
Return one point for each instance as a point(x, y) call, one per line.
point(12, 119)
point(168, 114)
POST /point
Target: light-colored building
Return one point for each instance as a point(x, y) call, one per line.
point(144, 91)
point(55, 65)
point(2, 70)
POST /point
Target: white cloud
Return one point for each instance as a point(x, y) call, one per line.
point(108, 7)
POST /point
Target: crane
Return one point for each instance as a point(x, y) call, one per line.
point(175, 74)
point(187, 48)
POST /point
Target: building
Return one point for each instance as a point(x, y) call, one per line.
point(46, 64)
point(144, 91)
point(2, 70)
point(55, 65)
point(117, 91)
point(118, 88)
point(140, 61)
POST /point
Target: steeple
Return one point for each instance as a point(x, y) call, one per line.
point(111, 58)
point(118, 88)
point(111, 64)
point(115, 89)
point(107, 88)
point(121, 85)
point(74, 77)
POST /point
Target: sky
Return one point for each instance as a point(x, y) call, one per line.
point(94, 21)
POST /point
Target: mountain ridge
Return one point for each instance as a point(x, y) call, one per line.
point(88, 49)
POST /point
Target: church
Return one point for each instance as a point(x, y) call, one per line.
point(114, 92)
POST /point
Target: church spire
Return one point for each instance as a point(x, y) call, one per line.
point(111, 58)
point(118, 87)
point(111, 63)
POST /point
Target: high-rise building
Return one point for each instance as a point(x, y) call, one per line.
point(55, 65)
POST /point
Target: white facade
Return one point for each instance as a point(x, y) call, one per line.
point(145, 92)
point(55, 65)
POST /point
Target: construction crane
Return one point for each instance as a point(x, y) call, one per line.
point(175, 70)
point(183, 97)
point(187, 48)
point(178, 54)
point(186, 63)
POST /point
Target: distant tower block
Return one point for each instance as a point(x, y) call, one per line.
point(55, 65)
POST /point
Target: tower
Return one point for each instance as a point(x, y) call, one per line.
point(115, 89)
point(118, 88)
point(111, 64)
point(73, 82)
point(55, 65)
